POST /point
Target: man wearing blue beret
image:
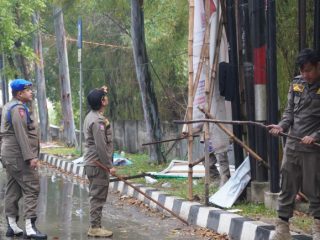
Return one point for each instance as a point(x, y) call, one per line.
point(19, 152)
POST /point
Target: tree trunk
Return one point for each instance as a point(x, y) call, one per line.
point(69, 134)
point(149, 100)
point(40, 80)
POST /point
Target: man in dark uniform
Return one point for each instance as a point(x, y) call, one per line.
point(98, 147)
point(19, 152)
point(300, 168)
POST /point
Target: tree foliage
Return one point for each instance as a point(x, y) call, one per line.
point(288, 42)
point(107, 53)
point(16, 31)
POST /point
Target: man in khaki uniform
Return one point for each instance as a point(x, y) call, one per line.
point(98, 147)
point(300, 168)
point(19, 152)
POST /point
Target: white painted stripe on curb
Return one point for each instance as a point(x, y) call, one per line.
point(141, 197)
point(249, 229)
point(69, 167)
point(58, 163)
point(74, 170)
point(225, 221)
point(81, 171)
point(120, 187)
point(63, 165)
point(155, 196)
point(169, 202)
point(130, 191)
point(203, 214)
point(185, 209)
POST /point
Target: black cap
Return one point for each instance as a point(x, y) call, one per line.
point(94, 98)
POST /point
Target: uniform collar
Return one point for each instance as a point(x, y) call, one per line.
point(17, 101)
point(97, 113)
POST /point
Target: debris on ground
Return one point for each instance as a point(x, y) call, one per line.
point(187, 230)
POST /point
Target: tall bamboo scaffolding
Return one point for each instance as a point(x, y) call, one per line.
point(190, 94)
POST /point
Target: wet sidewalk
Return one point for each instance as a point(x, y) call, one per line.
point(63, 213)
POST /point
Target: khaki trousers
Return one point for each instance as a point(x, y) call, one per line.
point(300, 171)
point(98, 192)
point(222, 159)
point(22, 181)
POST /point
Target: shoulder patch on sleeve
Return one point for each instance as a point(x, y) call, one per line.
point(106, 121)
point(298, 87)
point(101, 126)
point(22, 112)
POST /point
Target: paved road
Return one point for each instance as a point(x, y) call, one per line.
point(63, 214)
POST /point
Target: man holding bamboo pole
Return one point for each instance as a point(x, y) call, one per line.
point(300, 168)
point(98, 147)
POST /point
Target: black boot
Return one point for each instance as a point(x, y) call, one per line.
point(13, 230)
point(31, 230)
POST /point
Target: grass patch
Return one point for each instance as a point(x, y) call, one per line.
point(254, 210)
point(302, 222)
point(67, 153)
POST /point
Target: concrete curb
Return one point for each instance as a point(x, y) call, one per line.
point(223, 222)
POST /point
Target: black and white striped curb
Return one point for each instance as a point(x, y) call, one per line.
point(223, 222)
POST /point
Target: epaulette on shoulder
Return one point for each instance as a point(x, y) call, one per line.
point(297, 79)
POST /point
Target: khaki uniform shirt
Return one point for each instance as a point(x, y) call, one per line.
point(302, 114)
point(98, 140)
point(19, 138)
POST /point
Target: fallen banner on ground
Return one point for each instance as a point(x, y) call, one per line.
point(231, 190)
point(179, 169)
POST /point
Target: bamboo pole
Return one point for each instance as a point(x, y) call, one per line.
point(202, 59)
point(232, 136)
point(259, 124)
point(207, 94)
point(215, 60)
point(99, 164)
point(190, 94)
point(242, 144)
point(169, 140)
point(200, 160)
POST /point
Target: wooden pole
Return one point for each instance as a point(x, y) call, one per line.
point(169, 140)
point(259, 124)
point(190, 94)
point(207, 93)
point(99, 164)
point(204, 49)
point(234, 138)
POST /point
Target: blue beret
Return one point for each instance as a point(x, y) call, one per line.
point(20, 84)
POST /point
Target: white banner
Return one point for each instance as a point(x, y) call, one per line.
point(220, 108)
point(198, 36)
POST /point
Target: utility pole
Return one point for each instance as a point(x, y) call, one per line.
point(4, 87)
point(260, 94)
point(247, 73)
point(272, 90)
point(302, 7)
point(236, 106)
point(79, 43)
point(316, 28)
